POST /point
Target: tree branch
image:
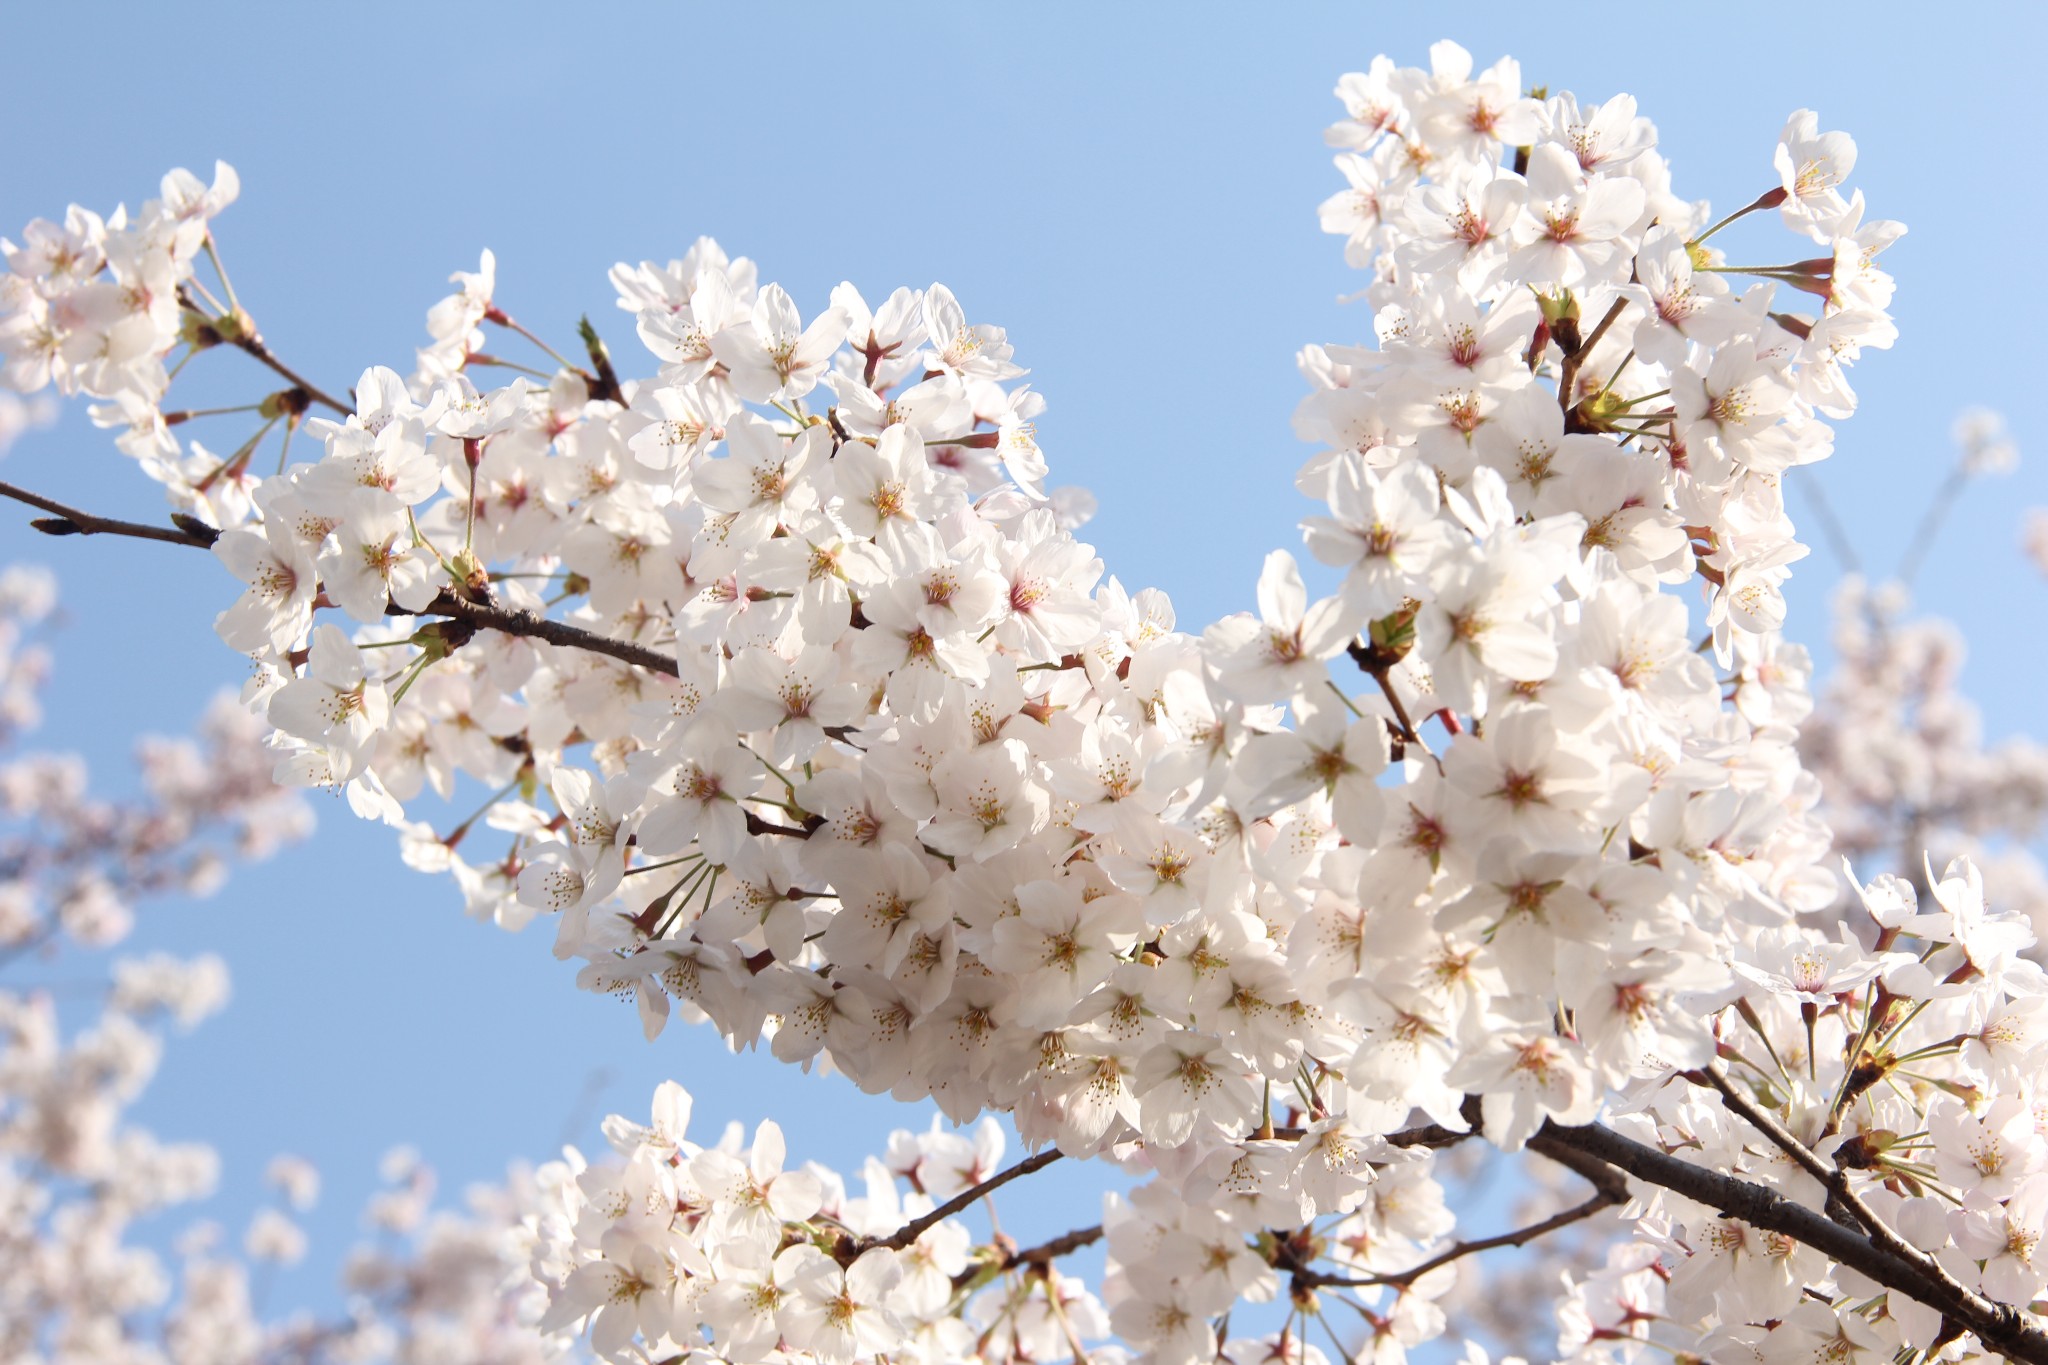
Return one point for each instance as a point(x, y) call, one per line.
point(1568, 373)
point(916, 1227)
point(237, 329)
point(253, 345)
point(1737, 1103)
point(1845, 1206)
point(1062, 1245)
point(1609, 1190)
point(69, 521)
point(533, 626)
point(1999, 1326)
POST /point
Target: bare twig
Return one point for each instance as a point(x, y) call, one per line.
point(253, 345)
point(69, 521)
point(1609, 1190)
point(1568, 374)
point(1062, 1245)
point(1930, 522)
point(1831, 527)
point(533, 626)
point(916, 1227)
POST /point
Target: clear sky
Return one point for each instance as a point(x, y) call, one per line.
point(1132, 195)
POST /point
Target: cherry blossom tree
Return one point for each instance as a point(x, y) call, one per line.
point(787, 701)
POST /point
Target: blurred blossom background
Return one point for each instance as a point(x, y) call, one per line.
point(1130, 191)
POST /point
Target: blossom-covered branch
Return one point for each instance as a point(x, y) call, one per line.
point(793, 703)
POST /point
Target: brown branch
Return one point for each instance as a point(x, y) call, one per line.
point(533, 626)
point(1844, 1205)
point(1044, 1252)
point(252, 344)
point(69, 521)
point(238, 330)
point(2000, 1327)
point(1782, 1137)
point(756, 825)
point(1568, 375)
point(916, 1227)
point(1428, 1135)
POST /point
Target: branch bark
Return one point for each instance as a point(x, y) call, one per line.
point(916, 1227)
point(1845, 1206)
point(2000, 1327)
point(533, 626)
point(1045, 1252)
point(1568, 373)
point(70, 521)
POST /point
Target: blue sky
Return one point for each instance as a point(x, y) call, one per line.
point(1134, 200)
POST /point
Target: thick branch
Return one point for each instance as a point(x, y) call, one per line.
point(1844, 1204)
point(916, 1227)
point(69, 521)
point(1999, 1326)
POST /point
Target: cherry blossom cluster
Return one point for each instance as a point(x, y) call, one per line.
point(670, 1245)
point(1887, 1077)
point(796, 706)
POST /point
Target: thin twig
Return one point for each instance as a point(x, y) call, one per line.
point(1062, 1245)
point(1568, 375)
point(1598, 1201)
point(69, 521)
point(1830, 526)
point(916, 1227)
point(533, 626)
point(1923, 535)
point(1738, 1103)
point(253, 345)
point(482, 615)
